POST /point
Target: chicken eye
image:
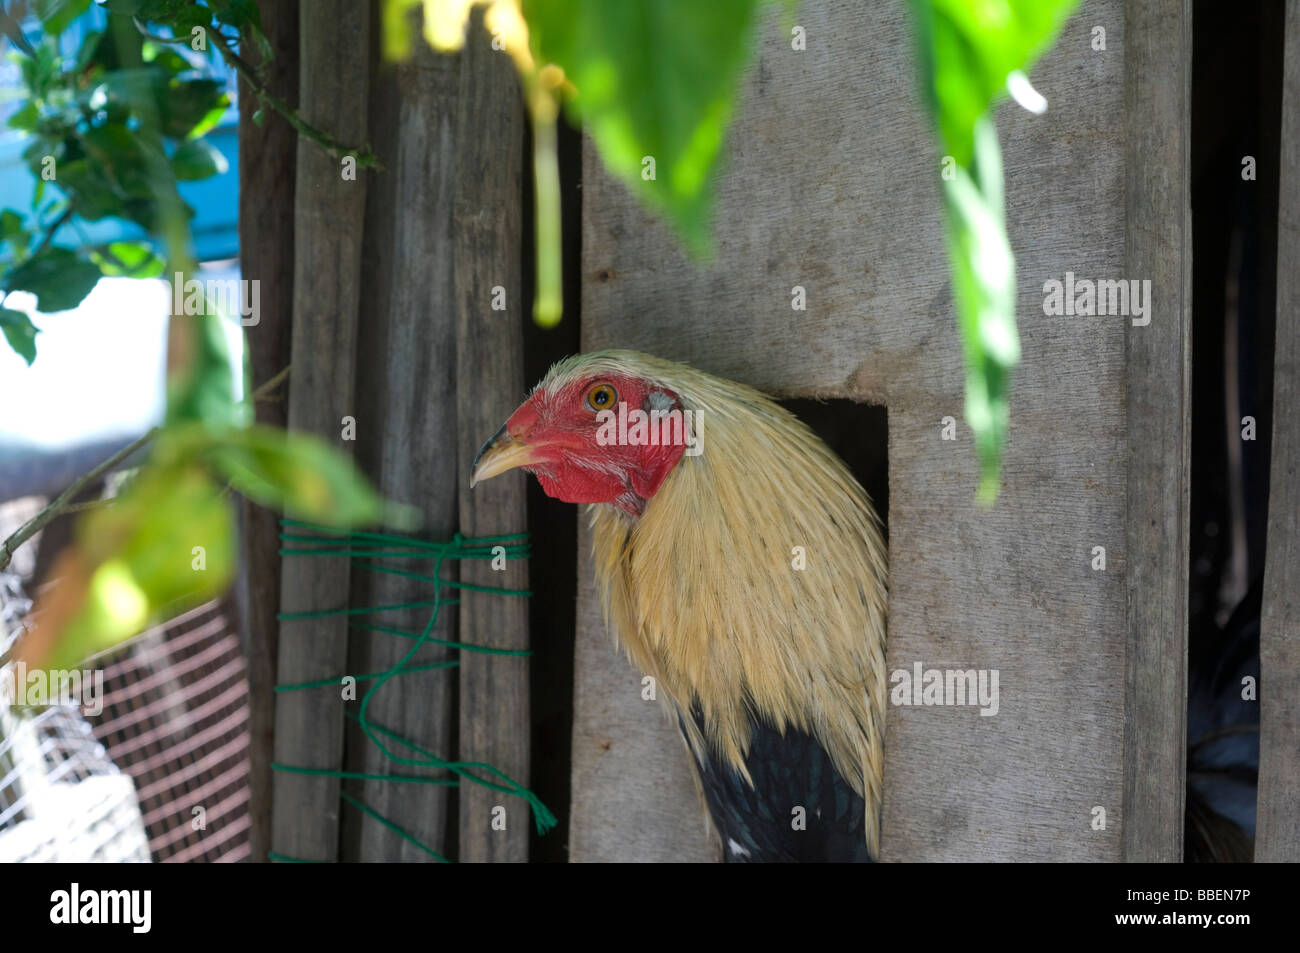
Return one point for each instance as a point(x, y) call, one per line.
point(601, 397)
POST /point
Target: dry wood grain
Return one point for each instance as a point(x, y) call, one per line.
point(328, 219)
point(1157, 111)
point(1278, 832)
point(268, 155)
point(494, 689)
point(406, 429)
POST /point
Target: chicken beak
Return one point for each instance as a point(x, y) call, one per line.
point(502, 452)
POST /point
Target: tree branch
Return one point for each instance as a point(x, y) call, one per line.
point(60, 503)
point(365, 158)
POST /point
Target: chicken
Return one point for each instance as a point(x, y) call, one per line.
point(742, 567)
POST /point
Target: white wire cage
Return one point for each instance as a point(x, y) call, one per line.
point(61, 797)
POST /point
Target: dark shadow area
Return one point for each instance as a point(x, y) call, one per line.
point(1236, 112)
point(554, 528)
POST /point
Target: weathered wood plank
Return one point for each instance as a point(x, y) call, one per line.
point(328, 218)
point(494, 689)
point(1158, 238)
point(831, 184)
point(1278, 831)
point(406, 424)
point(268, 156)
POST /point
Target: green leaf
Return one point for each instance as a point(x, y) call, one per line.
point(89, 48)
point(154, 525)
point(983, 270)
point(124, 174)
point(13, 29)
point(129, 8)
point(968, 48)
point(210, 120)
point(121, 161)
point(92, 195)
point(657, 79)
point(162, 55)
point(26, 118)
point(128, 260)
point(193, 107)
point(197, 159)
point(56, 15)
point(174, 107)
point(58, 277)
point(166, 542)
point(184, 21)
point(20, 333)
point(241, 14)
point(299, 473)
point(12, 231)
point(399, 29)
point(200, 372)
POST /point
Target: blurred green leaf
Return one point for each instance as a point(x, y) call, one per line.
point(172, 106)
point(197, 159)
point(12, 231)
point(967, 50)
point(153, 527)
point(128, 260)
point(299, 474)
point(20, 333)
point(56, 15)
point(26, 117)
point(193, 107)
point(983, 269)
point(92, 195)
point(132, 8)
point(657, 79)
point(164, 56)
point(398, 28)
point(165, 543)
point(200, 373)
point(58, 277)
point(9, 24)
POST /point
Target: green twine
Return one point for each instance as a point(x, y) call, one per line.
point(321, 683)
point(380, 545)
point(357, 803)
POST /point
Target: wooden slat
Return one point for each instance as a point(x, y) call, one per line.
point(1278, 832)
point(831, 183)
point(406, 429)
point(328, 220)
point(268, 156)
point(1158, 237)
point(494, 690)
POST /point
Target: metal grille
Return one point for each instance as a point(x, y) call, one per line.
point(175, 719)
